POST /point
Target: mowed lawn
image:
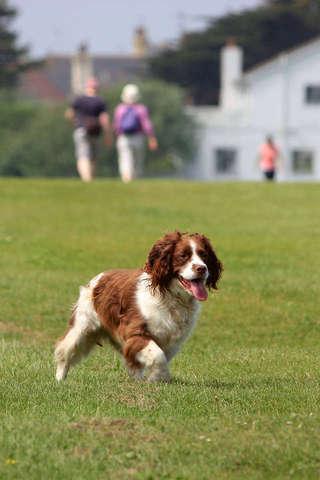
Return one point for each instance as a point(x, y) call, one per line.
point(244, 400)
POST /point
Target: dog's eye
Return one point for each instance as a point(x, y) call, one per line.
point(202, 253)
point(184, 255)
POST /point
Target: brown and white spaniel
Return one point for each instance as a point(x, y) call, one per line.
point(146, 313)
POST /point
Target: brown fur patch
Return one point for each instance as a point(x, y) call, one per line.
point(114, 302)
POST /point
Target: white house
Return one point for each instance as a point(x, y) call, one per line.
point(280, 98)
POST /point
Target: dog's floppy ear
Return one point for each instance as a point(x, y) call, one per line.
point(159, 262)
point(214, 265)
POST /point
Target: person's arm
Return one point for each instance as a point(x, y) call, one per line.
point(147, 129)
point(105, 123)
point(116, 119)
point(153, 143)
point(259, 156)
point(258, 160)
point(69, 114)
point(279, 160)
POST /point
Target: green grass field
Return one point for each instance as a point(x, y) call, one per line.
point(244, 401)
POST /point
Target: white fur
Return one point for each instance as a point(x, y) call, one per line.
point(76, 344)
point(187, 272)
point(169, 318)
point(155, 366)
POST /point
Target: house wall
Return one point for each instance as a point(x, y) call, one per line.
point(244, 143)
point(303, 69)
point(278, 90)
point(273, 103)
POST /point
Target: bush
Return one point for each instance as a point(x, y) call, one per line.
point(42, 147)
point(37, 141)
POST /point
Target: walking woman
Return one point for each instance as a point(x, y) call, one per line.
point(132, 126)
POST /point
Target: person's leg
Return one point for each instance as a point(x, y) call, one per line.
point(125, 158)
point(83, 154)
point(94, 146)
point(84, 168)
point(138, 147)
point(269, 175)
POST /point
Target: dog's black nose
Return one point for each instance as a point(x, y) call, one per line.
point(200, 269)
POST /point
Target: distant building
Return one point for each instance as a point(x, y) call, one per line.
point(280, 97)
point(62, 76)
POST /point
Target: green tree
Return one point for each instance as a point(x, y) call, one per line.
point(11, 55)
point(263, 31)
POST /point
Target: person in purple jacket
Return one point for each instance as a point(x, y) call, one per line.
point(132, 124)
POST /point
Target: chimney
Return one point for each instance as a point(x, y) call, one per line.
point(81, 69)
point(231, 64)
point(140, 43)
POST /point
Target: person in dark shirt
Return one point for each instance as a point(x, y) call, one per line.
point(90, 117)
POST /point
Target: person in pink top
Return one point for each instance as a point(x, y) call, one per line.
point(268, 158)
point(132, 124)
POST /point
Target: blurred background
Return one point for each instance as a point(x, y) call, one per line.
point(218, 77)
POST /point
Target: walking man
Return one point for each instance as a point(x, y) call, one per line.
point(89, 114)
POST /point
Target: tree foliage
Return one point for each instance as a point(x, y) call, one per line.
point(35, 140)
point(263, 31)
point(12, 56)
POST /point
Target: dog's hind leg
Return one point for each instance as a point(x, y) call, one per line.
point(76, 345)
point(82, 335)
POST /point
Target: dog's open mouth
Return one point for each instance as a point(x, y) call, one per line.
point(195, 287)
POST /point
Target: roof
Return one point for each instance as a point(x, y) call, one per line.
point(35, 84)
point(52, 81)
point(289, 51)
point(115, 68)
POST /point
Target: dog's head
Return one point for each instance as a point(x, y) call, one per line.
point(184, 261)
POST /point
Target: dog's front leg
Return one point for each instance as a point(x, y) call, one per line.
point(146, 360)
point(154, 363)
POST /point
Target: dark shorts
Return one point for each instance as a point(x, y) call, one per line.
point(269, 174)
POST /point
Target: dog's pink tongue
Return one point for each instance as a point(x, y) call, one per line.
point(199, 290)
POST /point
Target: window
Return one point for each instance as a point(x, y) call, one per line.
point(225, 161)
point(302, 161)
point(312, 94)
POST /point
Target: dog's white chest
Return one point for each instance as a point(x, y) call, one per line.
point(169, 321)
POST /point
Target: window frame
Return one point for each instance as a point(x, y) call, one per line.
point(233, 151)
point(312, 94)
point(294, 161)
